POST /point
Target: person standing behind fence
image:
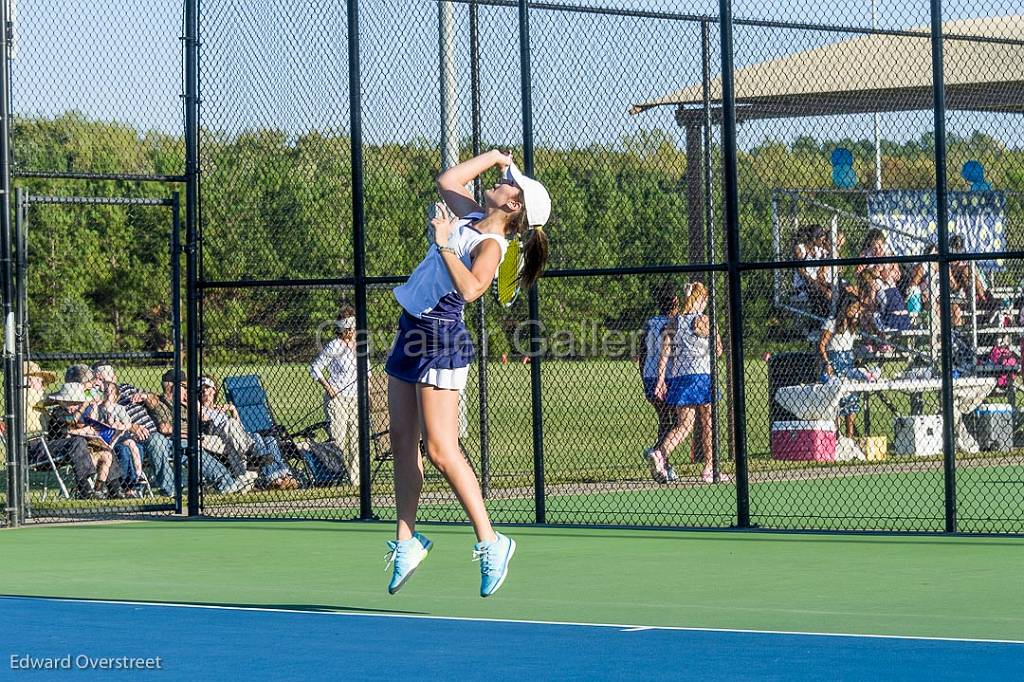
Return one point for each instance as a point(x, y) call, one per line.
point(684, 381)
point(838, 337)
point(668, 307)
point(429, 363)
point(340, 386)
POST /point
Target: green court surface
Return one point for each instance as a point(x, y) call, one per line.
point(939, 586)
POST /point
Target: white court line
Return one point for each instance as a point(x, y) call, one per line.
point(469, 619)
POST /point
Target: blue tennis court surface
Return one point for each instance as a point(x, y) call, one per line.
point(214, 642)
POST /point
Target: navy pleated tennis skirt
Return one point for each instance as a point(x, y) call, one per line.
point(431, 351)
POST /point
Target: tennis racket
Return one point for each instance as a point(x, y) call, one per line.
point(506, 287)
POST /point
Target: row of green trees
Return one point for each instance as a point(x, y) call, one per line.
point(275, 206)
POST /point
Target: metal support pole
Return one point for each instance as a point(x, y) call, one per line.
point(877, 127)
point(21, 342)
point(942, 217)
point(176, 251)
point(191, 243)
point(449, 94)
point(359, 259)
point(732, 249)
point(14, 502)
point(709, 220)
point(540, 509)
point(478, 192)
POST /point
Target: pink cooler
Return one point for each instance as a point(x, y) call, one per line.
point(813, 441)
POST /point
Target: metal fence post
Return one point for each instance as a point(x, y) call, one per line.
point(478, 192)
point(14, 507)
point(21, 345)
point(942, 218)
point(709, 232)
point(191, 227)
point(176, 339)
point(359, 258)
point(732, 248)
point(540, 510)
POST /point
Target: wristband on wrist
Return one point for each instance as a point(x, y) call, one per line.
point(447, 249)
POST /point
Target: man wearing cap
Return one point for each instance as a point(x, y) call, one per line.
point(75, 450)
point(68, 435)
point(158, 447)
point(338, 360)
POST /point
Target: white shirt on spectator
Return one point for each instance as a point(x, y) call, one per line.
point(839, 343)
point(339, 359)
point(809, 252)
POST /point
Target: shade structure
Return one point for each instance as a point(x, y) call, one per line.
point(984, 71)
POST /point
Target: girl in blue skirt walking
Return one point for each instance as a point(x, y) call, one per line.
point(429, 362)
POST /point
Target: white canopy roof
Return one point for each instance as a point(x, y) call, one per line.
point(876, 73)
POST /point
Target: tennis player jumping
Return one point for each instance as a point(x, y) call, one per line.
point(429, 362)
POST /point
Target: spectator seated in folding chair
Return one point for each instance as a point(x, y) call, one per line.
point(41, 455)
point(250, 401)
point(242, 448)
point(69, 436)
point(114, 426)
point(159, 447)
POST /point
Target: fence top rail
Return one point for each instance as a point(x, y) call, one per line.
point(111, 201)
point(864, 191)
point(99, 357)
point(762, 23)
point(130, 177)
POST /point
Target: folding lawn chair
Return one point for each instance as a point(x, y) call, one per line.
point(50, 466)
point(247, 394)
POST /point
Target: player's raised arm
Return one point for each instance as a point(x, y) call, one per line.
point(451, 184)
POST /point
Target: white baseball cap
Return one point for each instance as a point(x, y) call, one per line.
point(535, 196)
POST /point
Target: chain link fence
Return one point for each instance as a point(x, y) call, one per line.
point(848, 317)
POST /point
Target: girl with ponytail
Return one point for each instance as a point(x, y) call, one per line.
point(429, 362)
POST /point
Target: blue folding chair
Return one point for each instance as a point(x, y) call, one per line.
point(247, 394)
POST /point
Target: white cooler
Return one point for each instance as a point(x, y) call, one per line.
point(920, 436)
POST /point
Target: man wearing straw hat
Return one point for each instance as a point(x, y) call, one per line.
point(66, 422)
point(66, 437)
point(36, 427)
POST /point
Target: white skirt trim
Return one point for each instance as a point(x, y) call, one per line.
point(451, 379)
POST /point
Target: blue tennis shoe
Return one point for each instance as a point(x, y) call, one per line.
point(493, 558)
point(406, 556)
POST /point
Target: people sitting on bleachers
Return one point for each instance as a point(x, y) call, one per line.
point(918, 288)
point(876, 245)
point(960, 281)
point(67, 423)
point(242, 447)
point(159, 450)
point(813, 282)
point(891, 312)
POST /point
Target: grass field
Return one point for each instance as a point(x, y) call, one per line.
point(596, 422)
